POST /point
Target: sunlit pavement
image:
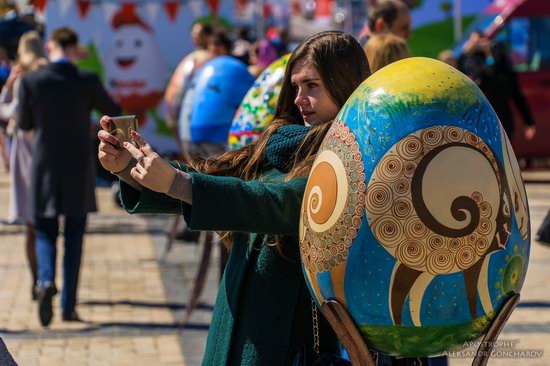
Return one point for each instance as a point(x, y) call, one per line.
point(131, 302)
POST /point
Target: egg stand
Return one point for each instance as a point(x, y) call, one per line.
point(486, 346)
point(358, 351)
point(348, 334)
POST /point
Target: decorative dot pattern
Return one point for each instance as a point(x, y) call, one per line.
point(324, 245)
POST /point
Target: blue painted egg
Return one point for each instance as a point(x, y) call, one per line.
point(415, 216)
point(258, 106)
point(217, 91)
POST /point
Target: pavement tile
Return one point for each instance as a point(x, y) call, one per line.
point(122, 297)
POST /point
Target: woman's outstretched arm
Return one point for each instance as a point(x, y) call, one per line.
point(232, 204)
point(213, 202)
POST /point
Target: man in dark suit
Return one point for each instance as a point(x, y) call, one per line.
point(56, 102)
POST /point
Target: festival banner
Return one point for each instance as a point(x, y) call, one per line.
point(134, 50)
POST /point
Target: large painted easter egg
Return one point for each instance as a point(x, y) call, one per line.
point(219, 87)
point(415, 216)
point(183, 74)
point(258, 106)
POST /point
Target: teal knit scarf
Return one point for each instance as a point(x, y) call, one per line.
point(282, 145)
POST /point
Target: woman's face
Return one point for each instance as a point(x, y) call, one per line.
point(312, 98)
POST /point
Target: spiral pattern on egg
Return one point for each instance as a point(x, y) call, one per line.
point(380, 197)
point(452, 133)
point(389, 230)
point(436, 200)
point(412, 252)
point(432, 136)
point(440, 261)
point(390, 167)
point(410, 148)
point(436, 242)
point(402, 208)
point(401, 186)
point(334, 201)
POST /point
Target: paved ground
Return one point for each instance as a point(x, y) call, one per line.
point(132, 302)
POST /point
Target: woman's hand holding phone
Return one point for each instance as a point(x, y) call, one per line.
point(112, 155)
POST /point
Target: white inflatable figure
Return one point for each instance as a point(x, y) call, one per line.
point(134, 68)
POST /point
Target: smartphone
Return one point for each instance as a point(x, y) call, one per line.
point(121, 127)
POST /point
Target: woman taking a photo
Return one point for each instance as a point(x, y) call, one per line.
point(263, 309)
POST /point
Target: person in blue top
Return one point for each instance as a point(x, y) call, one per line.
point(263, 312)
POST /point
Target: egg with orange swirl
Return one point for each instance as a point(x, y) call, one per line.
point(415, 217)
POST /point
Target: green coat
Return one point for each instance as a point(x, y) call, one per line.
point(263, 309)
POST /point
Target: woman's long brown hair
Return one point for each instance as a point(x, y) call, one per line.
point(342, 65)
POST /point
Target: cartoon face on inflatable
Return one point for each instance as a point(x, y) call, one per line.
point(414, 216)
point(258, 106)
point(135, 70)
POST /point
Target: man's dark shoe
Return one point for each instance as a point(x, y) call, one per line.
point(45, 296)
point(71, 317)
point(542, 241)
point(34, 292)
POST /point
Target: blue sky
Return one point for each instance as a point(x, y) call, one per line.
point(429, 11)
